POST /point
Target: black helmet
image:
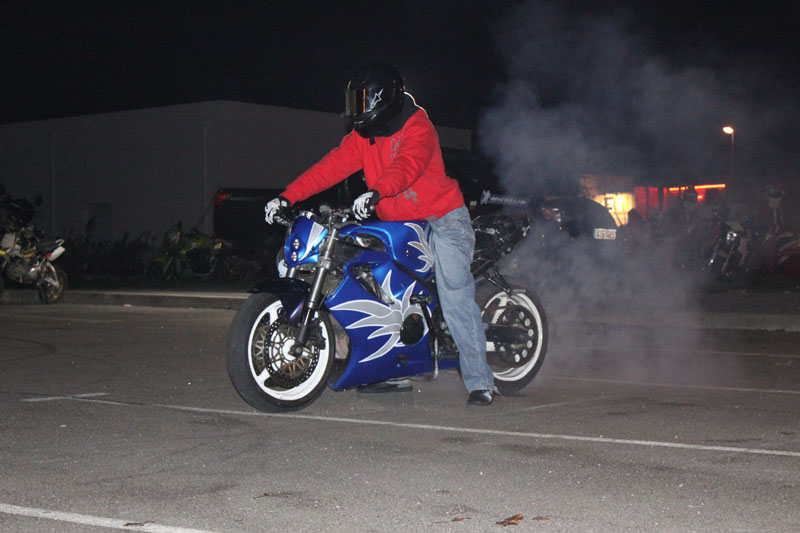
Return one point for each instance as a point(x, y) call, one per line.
point(374, 96)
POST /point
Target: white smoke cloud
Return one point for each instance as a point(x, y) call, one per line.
point(588, 95)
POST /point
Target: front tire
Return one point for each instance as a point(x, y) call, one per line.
point(514, 364)
point(51, 284)
point(161, 270)
point(261, 364)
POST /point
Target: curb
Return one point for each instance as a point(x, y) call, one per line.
point(228, 300)
point(157, 299)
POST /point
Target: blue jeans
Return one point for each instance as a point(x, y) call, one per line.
point(453, 245)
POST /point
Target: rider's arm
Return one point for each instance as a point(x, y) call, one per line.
point(412, 158)
point(330, 170)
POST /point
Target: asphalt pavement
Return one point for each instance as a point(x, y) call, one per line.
point(733, 309)
point(117, 417)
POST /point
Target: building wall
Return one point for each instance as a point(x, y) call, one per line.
point(144, 170)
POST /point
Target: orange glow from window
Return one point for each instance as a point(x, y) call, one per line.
point(698, 187)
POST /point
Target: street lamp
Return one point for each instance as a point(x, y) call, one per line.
point(728, 130)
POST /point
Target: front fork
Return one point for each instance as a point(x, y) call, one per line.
point(314, 299)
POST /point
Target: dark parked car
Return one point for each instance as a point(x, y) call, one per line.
point(239, 212)
point(565, 219)
point(239, 217)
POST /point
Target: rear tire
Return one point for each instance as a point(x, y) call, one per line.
point(522, 309)
point(231, 268)
point(52, 284)
point(260, 363)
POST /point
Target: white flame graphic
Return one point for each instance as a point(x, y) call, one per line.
point(387, 319)
point(422, 245)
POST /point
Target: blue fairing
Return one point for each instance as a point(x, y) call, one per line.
point(409, 243)
point(373, 324)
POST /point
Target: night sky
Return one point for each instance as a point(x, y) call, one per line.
point(459, 58)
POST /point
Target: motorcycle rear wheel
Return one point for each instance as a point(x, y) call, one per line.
point(230, 268)
point(521, 309)
point(261, 365)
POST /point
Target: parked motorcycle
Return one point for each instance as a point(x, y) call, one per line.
point(788, 254)
point(194, 253)
point(24, 258)
point(358, 305)
point(738, 254)
point(730, 256)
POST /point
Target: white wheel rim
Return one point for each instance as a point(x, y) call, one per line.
point(521, 299)
point(304, 388)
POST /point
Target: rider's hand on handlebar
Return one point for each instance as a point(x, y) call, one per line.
point(273, 207)
point(365, 204)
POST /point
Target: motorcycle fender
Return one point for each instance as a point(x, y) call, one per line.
point(8, 241)
point(55, 254)
point(291, 292)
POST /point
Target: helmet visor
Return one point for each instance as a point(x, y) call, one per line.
point(361, 100)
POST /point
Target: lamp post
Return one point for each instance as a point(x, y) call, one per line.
point(728, 130)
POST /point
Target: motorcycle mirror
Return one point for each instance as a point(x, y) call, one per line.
point(37, 201)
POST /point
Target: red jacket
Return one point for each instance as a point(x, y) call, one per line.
point(405, 168)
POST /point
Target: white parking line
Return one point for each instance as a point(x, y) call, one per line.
point(691, 351)
point(560, 404)
point(51, 398)
point(673, 385)
point(455, 429)
point(88, 520)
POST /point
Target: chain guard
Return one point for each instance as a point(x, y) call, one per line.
point(444, 340)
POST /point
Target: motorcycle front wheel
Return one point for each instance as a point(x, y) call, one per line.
point(160, 270)
point(261, 361)
point(52, 284)
point(514, 363)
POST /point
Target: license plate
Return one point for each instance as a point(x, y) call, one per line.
point(604, 234)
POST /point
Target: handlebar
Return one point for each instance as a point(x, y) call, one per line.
point(285, 216)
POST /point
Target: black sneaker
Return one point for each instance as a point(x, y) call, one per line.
point(480, 397)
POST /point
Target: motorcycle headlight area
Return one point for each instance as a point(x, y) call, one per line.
point(731, 237)
point(295, 247)
point(173, 236)
point(303, 241)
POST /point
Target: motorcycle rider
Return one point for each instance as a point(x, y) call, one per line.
point(681, 230)
point(770, 218)
point(396, 146)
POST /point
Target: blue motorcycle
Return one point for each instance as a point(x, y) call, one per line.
point(357, 305)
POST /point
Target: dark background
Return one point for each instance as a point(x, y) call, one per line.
point(69, 58)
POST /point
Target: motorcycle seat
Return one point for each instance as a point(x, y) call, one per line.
point(48, 246)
